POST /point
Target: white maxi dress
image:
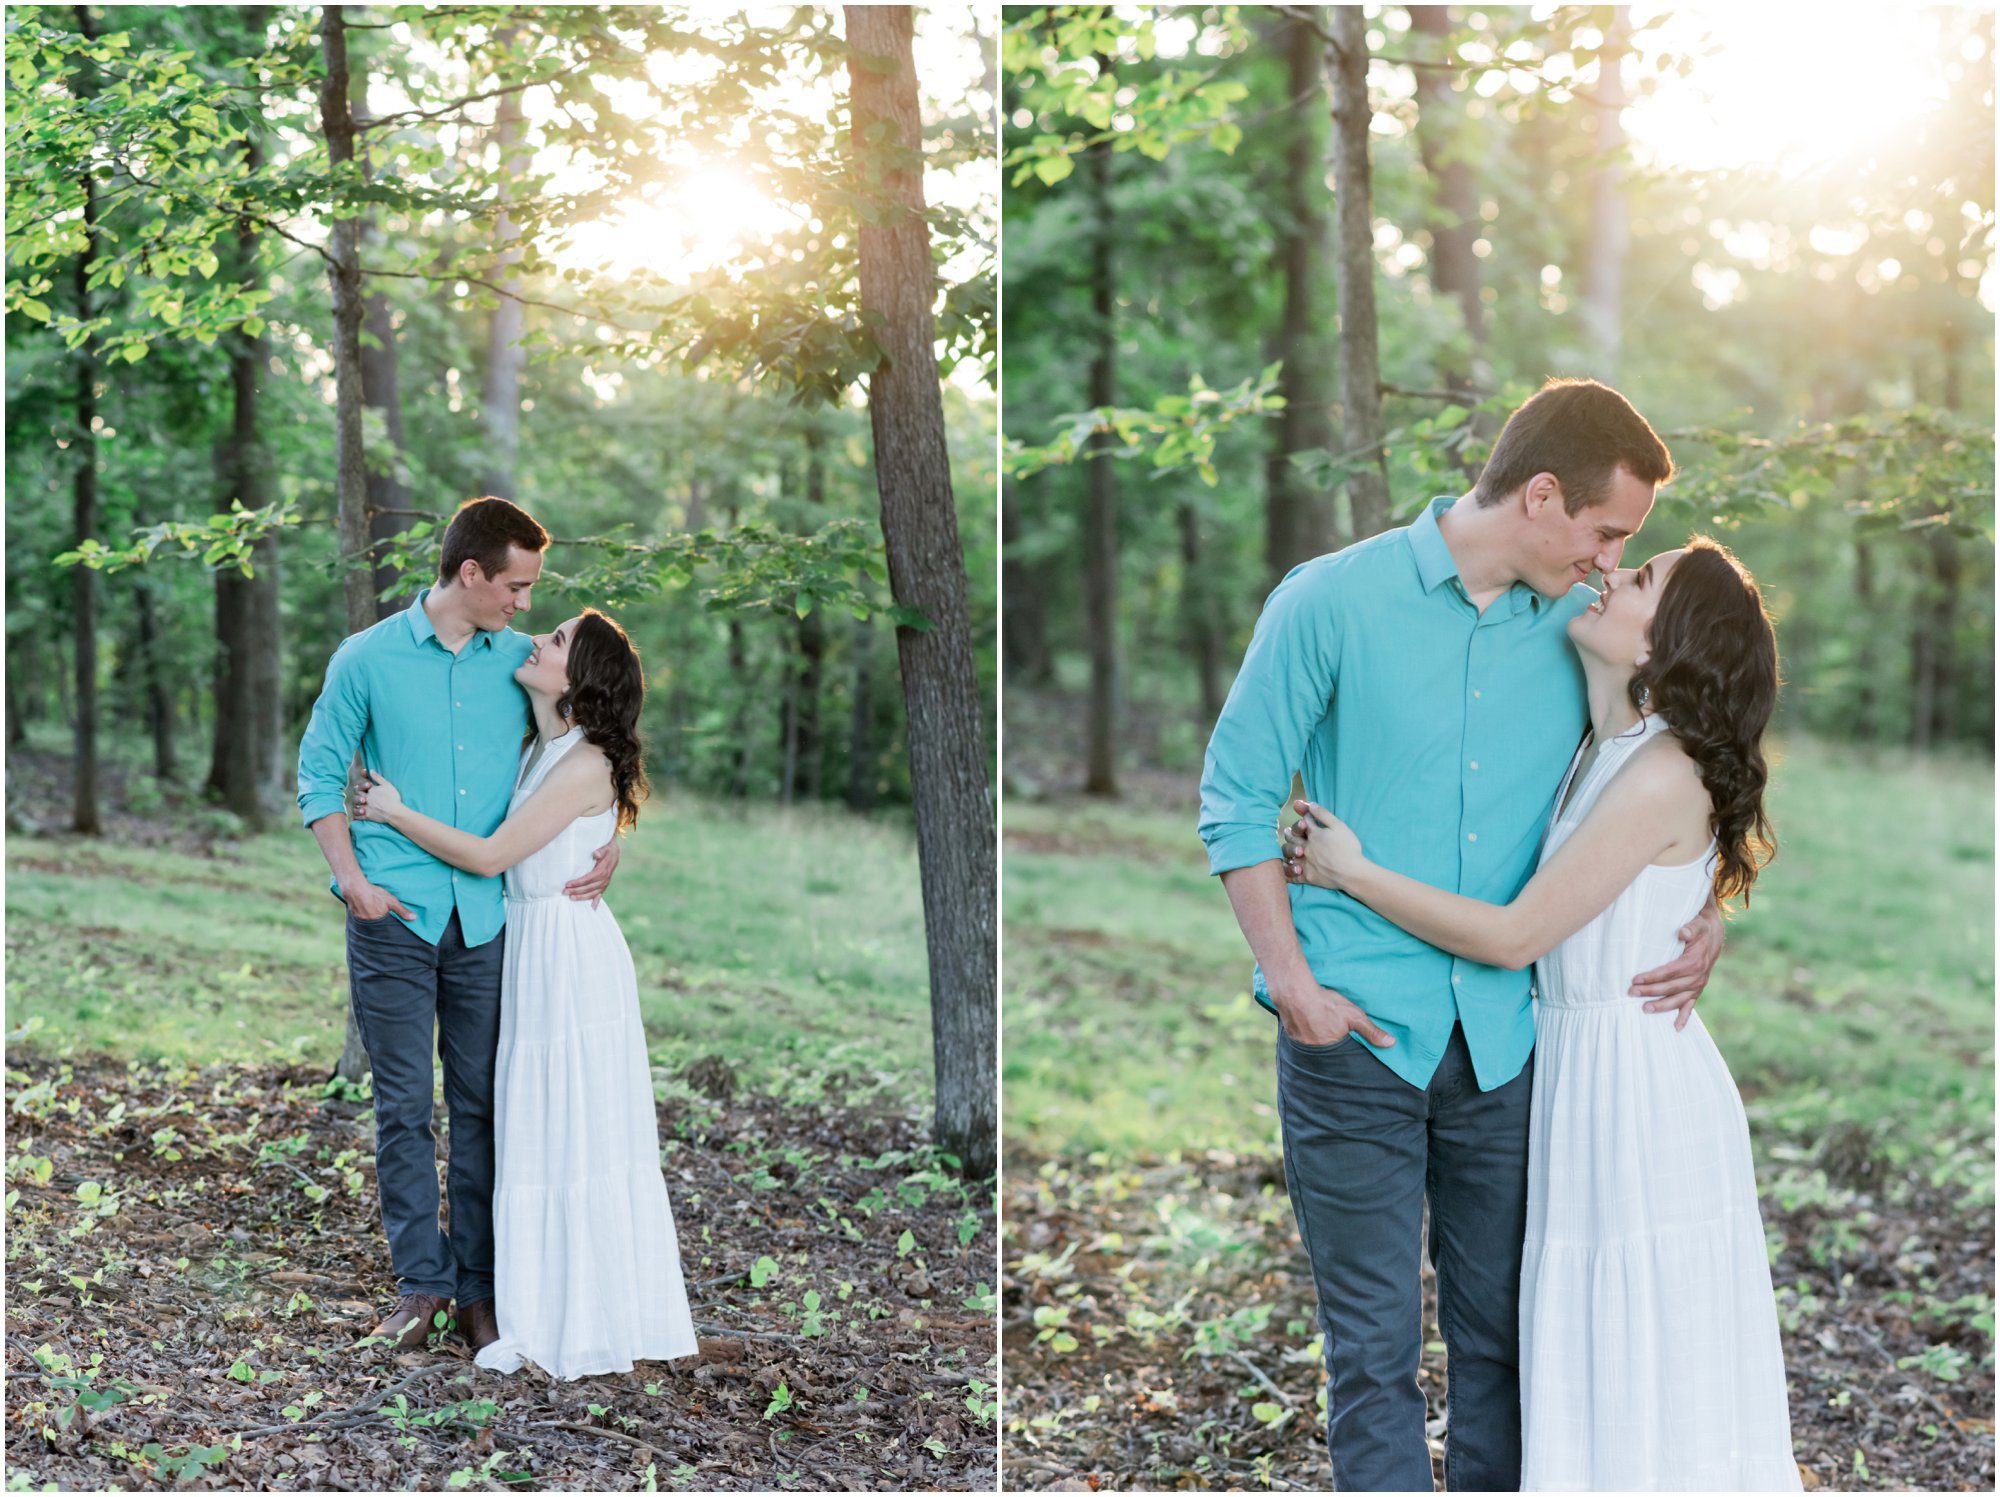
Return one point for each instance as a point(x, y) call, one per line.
point(1650, 1357)
point(587, 1269)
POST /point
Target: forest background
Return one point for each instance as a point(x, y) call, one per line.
point(1273, 277)
point(711, 295)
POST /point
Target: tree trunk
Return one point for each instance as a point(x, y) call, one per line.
point(1024, 622)
point(84, 815)
point(811, 734)
point(788, 730)
point(247, 710)
point(1610, 231)
point(159, 706)
point(344, 274)
point(861, 721)
point(350, 465)
point(1360, 358)
point(505, 358)
point(954, 809)
point(1298, 514)
point(1100, 523)
point(388, 495)
point(1443, 141)
point(1198, 602)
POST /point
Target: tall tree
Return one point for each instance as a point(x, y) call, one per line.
point(243, 766)
point(1100, 522)
point(1360, 355)
point(807, 734)
point(861, 720)
point(954, 810)
point(1444, 143)
point(1299, 511)
point(388, 494)
point(84, 815)
point(153, 677)
point(343, 268)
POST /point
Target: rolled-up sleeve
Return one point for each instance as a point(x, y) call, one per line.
point(339, 718)
point(1280, 695)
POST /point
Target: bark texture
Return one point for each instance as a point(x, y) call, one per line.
point(350, 461)
point(954, 809)
point(1100, 521)
point(1360, 357)
point(1299, 514)
point(84, 814)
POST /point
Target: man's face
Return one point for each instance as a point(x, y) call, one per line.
point(492, 602)
point(1565, 548)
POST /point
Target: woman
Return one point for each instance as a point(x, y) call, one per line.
point(588, 1276)
point(1650, 1356)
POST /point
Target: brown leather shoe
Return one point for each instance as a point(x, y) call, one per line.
point(413, 1319)
point(478, 1324)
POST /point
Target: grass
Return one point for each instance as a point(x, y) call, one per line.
point(784, 941)
point(1856, 990)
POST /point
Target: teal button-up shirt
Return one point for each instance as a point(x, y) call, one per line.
point(446, 731)
point(1440, 734)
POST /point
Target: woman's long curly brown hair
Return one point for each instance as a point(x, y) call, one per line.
point(606, 690)
point(1712, 672)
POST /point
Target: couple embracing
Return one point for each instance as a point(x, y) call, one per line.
point(498, 772)
point(1483, 937)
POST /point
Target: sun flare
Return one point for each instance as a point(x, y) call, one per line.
point(1789, 89)
point(704, 219)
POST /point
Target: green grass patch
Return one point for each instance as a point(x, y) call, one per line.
point(785, 941)
point(1856, 990)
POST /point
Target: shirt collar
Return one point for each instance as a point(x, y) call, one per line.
point(1435, 566)
point(422, 629)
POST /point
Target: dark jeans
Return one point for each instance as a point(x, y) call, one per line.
point(407, 991)
point(1364, 1150)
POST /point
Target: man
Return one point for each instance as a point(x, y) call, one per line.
point(428, 696)
point(1422, 684)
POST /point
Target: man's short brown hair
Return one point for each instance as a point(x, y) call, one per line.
point(482, 530)
point(1581, 431)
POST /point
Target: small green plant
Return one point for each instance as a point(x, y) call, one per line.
point(1945, 1363)
point(1051, 1321)
point(781, 1400)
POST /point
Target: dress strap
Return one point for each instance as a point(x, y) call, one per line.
point(552, 751)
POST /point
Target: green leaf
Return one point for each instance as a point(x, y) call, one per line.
point(1052, 169)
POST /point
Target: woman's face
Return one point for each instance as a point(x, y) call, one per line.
point(546, 670)
point(1614, 627)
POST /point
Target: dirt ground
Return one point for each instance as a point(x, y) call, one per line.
point(193, 1258)
point(1138, 1356)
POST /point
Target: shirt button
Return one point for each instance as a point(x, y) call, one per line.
point(1475, 762)
point(1475, 839)
point(1469, 836)
point(1456, 979)
point(461, 704)
point(1475, 691)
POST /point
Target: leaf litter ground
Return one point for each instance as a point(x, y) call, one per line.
point(193, 1258)
point(1157, 1329)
